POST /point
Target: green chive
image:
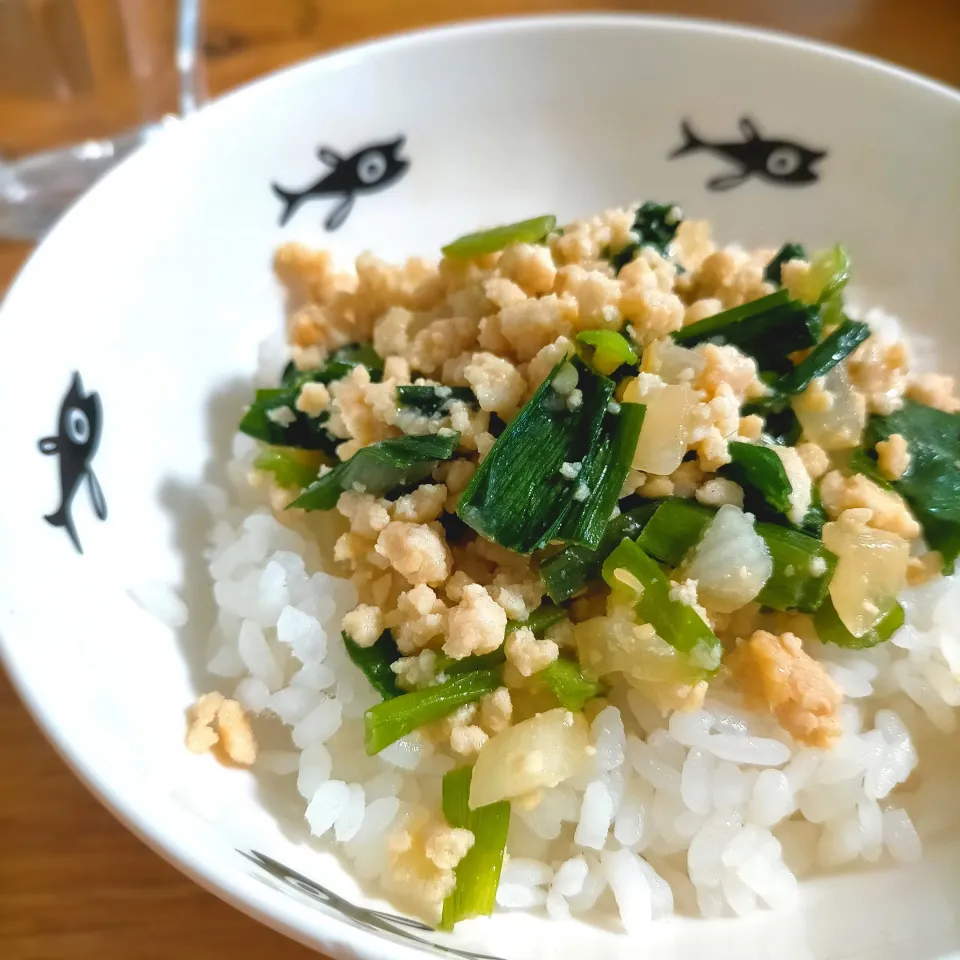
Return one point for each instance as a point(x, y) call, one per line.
point(478, 873)
point(496, 238)
point(566, 682)
point(789, 251)
point(758, 468)
point(830, 628)
point(304, 432)
point(375, 663)
point(518, 496)
point(931, 484)
point(825, 356)
point(291, 468)
point(675, 622)
point(655, 225)
point(768, 329)
point(572, 569)
point(601, 476)
point(387, 722)
point(432, 401)
point(610, 350)
point(379, 468)
point(825, 283)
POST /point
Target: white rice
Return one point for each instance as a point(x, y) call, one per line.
point(715, 810)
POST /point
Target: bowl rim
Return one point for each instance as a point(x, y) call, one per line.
point(274, 909)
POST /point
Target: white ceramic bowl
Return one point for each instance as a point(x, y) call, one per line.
point(156, 288)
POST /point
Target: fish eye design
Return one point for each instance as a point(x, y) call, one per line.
point(783, 161)
point(371, 166)
point(78, 426)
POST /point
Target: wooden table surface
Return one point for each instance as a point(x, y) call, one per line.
point(74, 885)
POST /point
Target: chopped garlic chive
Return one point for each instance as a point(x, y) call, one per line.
point(675, 623)
point(565, 680)
point(390, 720)
point(477, 244)
point(478, 873)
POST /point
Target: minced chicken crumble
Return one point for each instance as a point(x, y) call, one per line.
point(493, 328)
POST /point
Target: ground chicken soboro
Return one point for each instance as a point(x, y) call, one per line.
point(499, 324)
point(481, 334)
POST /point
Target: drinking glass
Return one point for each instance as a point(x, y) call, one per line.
point(82, 84)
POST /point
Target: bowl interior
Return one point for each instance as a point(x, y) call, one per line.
point(156, 288)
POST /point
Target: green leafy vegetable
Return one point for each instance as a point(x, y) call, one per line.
point(478, 873)
point(273, 416)
point(449, 667)
point(291, 468)
point(602, 474)
point(387, 722)
point(375, 663)
point(675, 527)
point(830, 628)
point(566, 682)
point(768, 329)
point(758, 468)
point(610, 350)
point(789, 251)
point(825, 283)
point(379, 468)
point(490, 241)
point(802, 566)
point(432, 401)
point(655, 225)
point(816, 515)
point(825, 356)
point(628, 568)
point(931, 484)
point(734, 322)
point(336, 366)
point(567, 572)
point(518, 496)
point(780, 422)
point(274, 419)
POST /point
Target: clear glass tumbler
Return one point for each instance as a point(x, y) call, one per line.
point(82, 84)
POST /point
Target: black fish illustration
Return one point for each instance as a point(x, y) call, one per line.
point(76, 442)
point(782, 162)
point(371, 168)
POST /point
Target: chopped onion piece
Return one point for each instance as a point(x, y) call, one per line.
point(871, 572)
point(612, 645)
point(831, 412)
point(731, 563)
point(666, 425)
point(540, 752)
point(671, 362)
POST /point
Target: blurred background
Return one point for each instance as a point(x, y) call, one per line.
point(82, 82)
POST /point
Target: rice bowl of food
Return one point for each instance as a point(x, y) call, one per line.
point(528, 527)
